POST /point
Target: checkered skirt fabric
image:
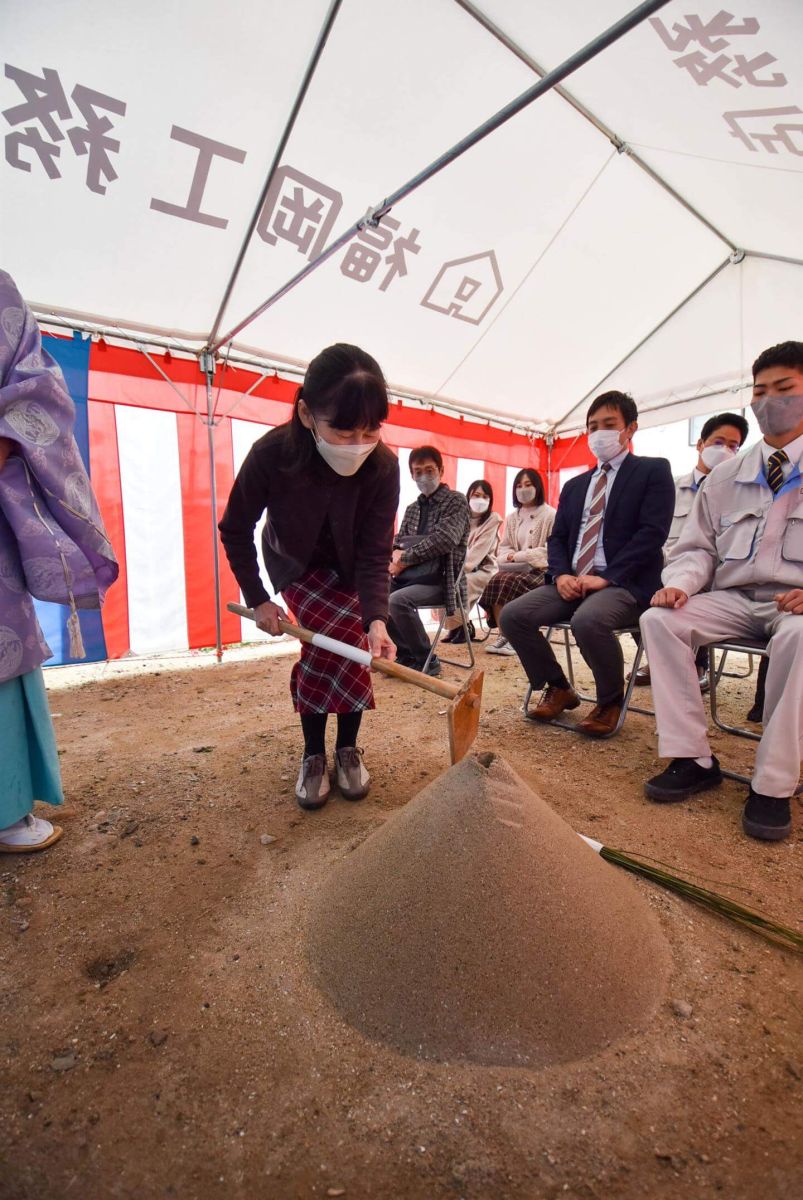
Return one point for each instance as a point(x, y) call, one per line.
point(322, 682)
point(506, 586)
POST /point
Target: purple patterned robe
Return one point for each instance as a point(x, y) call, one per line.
point(52, 541)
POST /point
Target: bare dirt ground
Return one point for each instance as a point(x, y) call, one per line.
point(161, 1037)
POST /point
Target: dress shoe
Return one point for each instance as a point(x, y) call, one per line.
point(702, 679)
point(756, 714)
point(642, 676)
point(601, 721)
point(768, 818)
point(554, 701)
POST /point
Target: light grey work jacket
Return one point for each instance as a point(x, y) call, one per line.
point(738, 536)
point(685, 492)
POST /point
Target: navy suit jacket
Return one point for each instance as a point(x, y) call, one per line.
point(638, 514)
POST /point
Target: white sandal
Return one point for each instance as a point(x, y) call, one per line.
point(27, 835)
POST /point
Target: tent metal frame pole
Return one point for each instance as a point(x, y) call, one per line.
point(729, 390)
point(207, 364)
point(374, 215)
point(664, 321)
point(323, 37)
point(781, 258)
point(167, 379)
point(267, 365)
point(622, 146)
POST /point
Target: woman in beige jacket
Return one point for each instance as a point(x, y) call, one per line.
point(483, 536)
point(522, 555)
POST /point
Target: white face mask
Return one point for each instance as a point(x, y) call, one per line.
point(345, 460)
point(604, 444)
point(427, 483)
point(479, 504)
point(525, 495)
point(712, 456)
point(777, 415)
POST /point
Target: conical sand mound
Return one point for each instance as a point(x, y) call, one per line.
point(476, 924)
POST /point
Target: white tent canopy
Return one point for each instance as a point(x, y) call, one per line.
point(625, 232)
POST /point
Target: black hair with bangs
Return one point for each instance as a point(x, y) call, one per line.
point(343, 385)
point(535, 480)
point(482, 487)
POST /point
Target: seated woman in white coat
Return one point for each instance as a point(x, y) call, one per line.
point(522, 556)
point(483, 539)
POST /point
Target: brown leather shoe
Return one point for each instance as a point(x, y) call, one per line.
point(601, 720)
point(554, 701)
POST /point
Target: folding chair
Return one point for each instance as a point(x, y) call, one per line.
point(723, 674)
point(482, 624)
point(743, 646)
point(564, 627)
point(461, 608)
point(716, 673)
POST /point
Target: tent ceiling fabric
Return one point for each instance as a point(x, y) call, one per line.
point(511, 283)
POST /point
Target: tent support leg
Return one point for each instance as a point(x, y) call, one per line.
point(208, 368)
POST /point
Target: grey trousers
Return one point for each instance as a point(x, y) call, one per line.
point(405, 626)
point(593, 621)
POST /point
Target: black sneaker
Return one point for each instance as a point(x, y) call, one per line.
point(766, 817)
point(434, 667)
point(682, 778)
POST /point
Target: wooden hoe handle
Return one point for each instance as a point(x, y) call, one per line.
point(383, 665)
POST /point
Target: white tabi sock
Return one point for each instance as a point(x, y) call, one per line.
point(707, 763)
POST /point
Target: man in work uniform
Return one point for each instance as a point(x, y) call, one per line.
point(744, 541)
point(721, 438)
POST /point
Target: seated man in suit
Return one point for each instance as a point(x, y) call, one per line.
point(721, 437)
point(744, 541)
point(605, 553)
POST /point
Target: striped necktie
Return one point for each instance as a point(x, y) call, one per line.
point(588, 546)
point(775, 470)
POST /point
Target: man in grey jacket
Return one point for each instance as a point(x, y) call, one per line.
point(721, 437)
point(743, 540)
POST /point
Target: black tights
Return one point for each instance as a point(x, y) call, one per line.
point(314, 729)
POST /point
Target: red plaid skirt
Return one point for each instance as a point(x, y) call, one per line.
point(322, 682)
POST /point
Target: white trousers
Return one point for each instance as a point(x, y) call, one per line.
point(672, 637)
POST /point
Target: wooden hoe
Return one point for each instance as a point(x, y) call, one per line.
point(463, 713)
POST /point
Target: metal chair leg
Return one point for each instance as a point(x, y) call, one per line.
point(435, 641)
point(715, 674)
point(451, 662)
point(482, 625)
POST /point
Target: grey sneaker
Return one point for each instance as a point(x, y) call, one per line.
point(352, 778)
point(500, 646)
point(312, 785)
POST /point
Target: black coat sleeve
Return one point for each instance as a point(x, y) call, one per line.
point(373, 546)
point(247, 502)
point(559, 545)
point(652, 530)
